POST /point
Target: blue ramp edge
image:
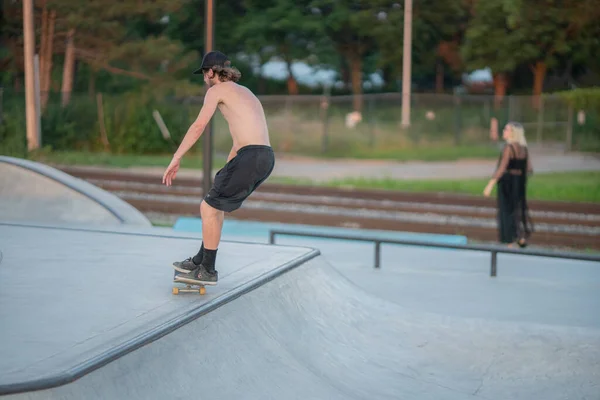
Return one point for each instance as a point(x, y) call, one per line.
point(261, 229)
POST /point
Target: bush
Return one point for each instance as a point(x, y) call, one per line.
point(586, 136)
point(13, 140)
point(128, 121)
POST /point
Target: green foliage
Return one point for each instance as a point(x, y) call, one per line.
point(588, 98)
point(434, 21)
point(568, 186)
point(280, 28)
point(128, 121)
point(72, 127)
point(12, 138)
point(140, 55)
point(491, 39)
point(188, 26)
point(586, 136)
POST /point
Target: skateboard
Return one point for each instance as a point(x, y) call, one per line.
point(189, 287)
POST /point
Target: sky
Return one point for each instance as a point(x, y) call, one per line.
point(313, 77)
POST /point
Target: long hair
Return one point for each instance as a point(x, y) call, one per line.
point(227, 73)
point(517, 133)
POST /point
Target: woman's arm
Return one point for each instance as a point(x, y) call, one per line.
point(503, 164)
point(499, 171)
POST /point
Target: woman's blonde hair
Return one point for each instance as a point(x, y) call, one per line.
point(517, 134)
point(227, 73)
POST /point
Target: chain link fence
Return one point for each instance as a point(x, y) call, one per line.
point(311, 125)
point(330, 126)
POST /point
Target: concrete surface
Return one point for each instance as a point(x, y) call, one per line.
point(34, 192)
point(313, 334)
point(457, 283)
point(68, 296)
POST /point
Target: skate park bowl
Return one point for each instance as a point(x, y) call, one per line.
point(96, 319)
point(34, 192)
point(87, 312)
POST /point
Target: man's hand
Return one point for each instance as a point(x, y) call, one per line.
point(171, 171)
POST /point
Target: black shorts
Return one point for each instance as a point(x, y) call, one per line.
point(240, 177)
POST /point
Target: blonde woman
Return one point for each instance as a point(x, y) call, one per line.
point(514, 166)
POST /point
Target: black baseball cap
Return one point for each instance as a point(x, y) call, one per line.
point(212, 59)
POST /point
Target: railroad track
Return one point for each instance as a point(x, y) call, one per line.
point(557, 224)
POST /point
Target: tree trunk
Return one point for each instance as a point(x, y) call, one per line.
point(389, 78)
point(439, 77)
point(356, 77)
point(539, 74)
point(92, 82)
point(46, 53)
point(500, 84)
point(262, 84)
point(344, 72)
point(292, 84)
point(69, 69)
point(42, 52)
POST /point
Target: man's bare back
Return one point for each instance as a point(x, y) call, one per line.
point(244, 114)
point(242, 111)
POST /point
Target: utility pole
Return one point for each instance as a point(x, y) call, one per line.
point(28, 50)
point(406, 63)
point(208, 139)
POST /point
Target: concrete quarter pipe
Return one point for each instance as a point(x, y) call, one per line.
point(312, 334)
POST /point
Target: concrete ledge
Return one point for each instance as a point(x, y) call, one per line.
point(122, 211)
point(104, 294)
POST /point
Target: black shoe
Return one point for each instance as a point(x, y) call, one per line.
point(198, 276)
point(185, 266)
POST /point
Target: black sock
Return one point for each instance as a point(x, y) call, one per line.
point(197, 259)
point(208, 260)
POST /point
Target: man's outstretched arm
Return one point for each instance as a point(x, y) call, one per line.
point(211, 100)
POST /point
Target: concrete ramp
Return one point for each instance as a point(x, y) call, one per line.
point(312, 334)
point(33, 192)
point(73, 300)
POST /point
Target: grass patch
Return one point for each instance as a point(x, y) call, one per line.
point(120, 160)
point(564, 186)
point(441, 153)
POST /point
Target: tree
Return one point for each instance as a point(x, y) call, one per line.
point(548, 29)
point(11, 48)
point(348, 24)
point(102, 34)
point(437, 29)
point(279, 28)
point(492, 41)
point(187, 25)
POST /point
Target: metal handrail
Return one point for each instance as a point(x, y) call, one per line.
point(494, 249)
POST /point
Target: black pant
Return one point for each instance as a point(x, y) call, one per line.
point(240, 177)
point(513, 214)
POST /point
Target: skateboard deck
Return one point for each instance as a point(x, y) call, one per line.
point(189, 287)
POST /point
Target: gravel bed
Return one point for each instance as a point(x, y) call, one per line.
point(429, 218)
point(364, 203)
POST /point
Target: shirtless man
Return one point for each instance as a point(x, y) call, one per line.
point(249, 163)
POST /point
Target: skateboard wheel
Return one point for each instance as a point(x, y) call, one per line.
point(202, 290)
point(175, 290)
